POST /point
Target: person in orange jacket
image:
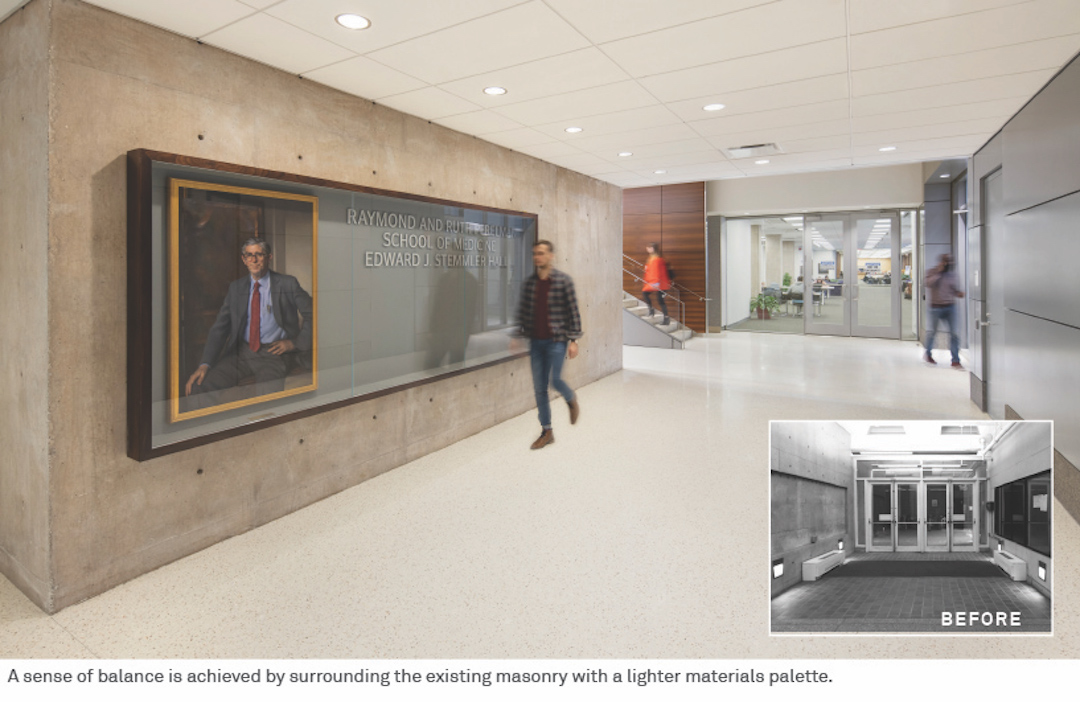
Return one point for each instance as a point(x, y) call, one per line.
point(656, 280)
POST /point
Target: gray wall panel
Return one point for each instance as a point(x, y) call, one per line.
point(1043, 377)
point(1042, 144)
point(1043, 247)
point(986, 161)
point(938, 221)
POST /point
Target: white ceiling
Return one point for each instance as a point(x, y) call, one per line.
point(830, 81)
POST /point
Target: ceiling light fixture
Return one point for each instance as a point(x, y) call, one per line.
point(351, 21)
point(713, 107)
point(887, 148)
point(659, 172)
point(762, 162)
point(495, 90)
point(944, 175)
point(626, 153)
point(573, 130)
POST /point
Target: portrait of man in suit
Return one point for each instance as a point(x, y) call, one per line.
point(262, 332)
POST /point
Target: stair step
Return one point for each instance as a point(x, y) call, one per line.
point(630, 302)
point(683, 334)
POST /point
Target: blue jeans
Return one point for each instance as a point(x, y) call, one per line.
point(547, 358)
point(947, 315)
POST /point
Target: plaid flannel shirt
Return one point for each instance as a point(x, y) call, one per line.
point(562, 307)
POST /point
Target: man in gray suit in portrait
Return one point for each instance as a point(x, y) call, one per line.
point(263, 328)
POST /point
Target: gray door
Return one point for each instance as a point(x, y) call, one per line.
point(993, 235)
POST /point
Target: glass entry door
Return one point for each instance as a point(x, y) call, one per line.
point(908, 537)
point(826, 274)
point(875, 294)
point(922, 516)
point(962, 517)
point(880, 508)
point(937, 516)
point(853, 279)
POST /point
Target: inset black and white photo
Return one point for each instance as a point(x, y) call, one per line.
point(939, 527)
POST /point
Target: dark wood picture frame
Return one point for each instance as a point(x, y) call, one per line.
point(142, 277)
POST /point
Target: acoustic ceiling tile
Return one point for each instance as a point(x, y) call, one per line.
point(513, 36)
point(518, 138)
point(975, 127)
point(874, 15)
point(987, 63)
point(757, 30)
point(575, 70)
point(781, 135)
point(392, 21)
point(429, 103)
point(635, 138)
point(1013, 24)
point(363, 77)
point(278, 44)
point(613, 123)
point(785, 117)
point(603, 22)
point(1001, 109)
point(192, 18)
point(803, 92)
point(780, 66)
point(615, 97)
point(479, 123)
point(998, 87)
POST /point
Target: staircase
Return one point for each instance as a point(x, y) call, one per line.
point(642, 330)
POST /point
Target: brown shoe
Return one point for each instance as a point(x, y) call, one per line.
point(546, 437)
point(575, 410)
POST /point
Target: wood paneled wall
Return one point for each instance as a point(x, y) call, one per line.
point(674, 217)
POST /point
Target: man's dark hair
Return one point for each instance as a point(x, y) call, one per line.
point(655, 247)
point(257, 241)
point(545, 242)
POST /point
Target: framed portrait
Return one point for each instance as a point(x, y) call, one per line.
point(260, 297)
point(242, 297)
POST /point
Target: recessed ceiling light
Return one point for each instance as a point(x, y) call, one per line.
point(350, 21)
point(887, 148)
point(659, 172)
point(573, 130)
point(713, 107)
point(762, 162)
point(944, 175)
point(626, 153)
point(495, 90)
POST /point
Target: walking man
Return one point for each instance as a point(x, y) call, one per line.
point(944, 291)
point(548, 316)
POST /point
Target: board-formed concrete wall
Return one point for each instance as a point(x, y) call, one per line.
point(24, 329)
point(813, 494)
point(116, 85)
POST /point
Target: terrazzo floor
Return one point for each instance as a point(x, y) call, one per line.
point(641, 533)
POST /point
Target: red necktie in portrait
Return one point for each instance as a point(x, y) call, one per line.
point(253, 330)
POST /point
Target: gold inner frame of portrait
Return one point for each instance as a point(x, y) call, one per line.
point(175, 376)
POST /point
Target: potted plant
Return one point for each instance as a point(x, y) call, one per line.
point(764, 305)
point(787, 280)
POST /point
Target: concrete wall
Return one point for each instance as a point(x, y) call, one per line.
point(24, 330)
point(1023, 451)
point(118, 85)
point(813, 494)
point(848, 189)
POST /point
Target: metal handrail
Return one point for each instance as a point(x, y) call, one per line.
point(682, 306)
point(683, 288)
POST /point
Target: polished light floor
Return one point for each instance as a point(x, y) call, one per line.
point(641, 533)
